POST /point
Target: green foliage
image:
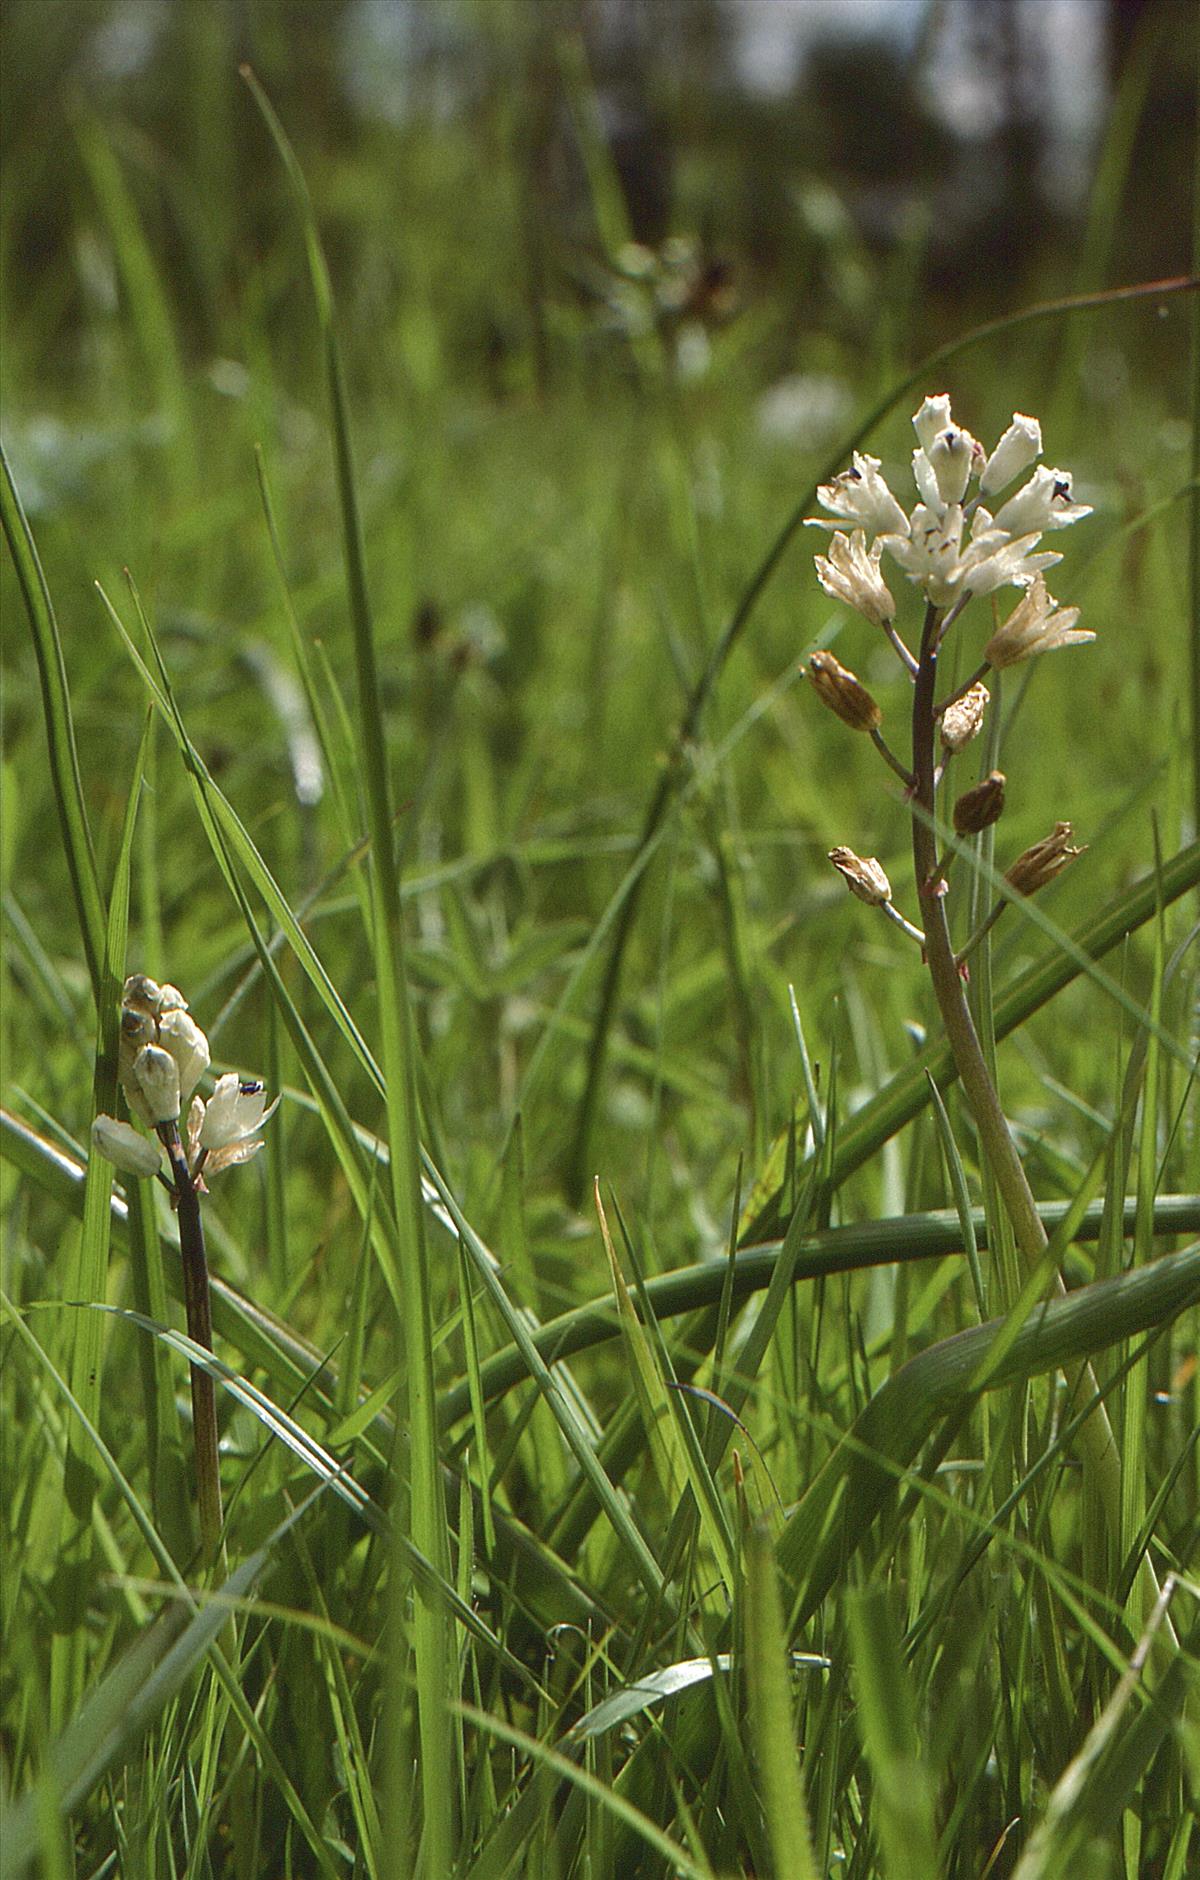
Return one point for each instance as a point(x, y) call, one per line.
point(446, 745)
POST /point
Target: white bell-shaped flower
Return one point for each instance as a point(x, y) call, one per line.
point(1045, 502)
point(934, 416)
point(850, 572)
point(233, 1117)
point(861, 496)
point(1037, 624)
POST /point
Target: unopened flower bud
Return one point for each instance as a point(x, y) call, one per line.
point(978, 808)
point(863, 876)
point(1020, 446)
point(838, 688)
point(156, 1079)
point(187, 1044)
point(933, 417)
point(962, 719)
point(943, 467)
point(119, 1143)
point(1043, 861)
point(141, 993)
point(137, 1028)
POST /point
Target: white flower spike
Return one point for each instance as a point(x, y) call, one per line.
point(937, 551)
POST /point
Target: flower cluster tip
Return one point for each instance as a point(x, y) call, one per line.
point(162, 1055)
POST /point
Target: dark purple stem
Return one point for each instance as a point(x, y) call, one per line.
point(198, 1307)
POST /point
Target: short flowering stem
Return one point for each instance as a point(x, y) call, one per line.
point(889, 757)
point(995, 1139)
point(198, 1307)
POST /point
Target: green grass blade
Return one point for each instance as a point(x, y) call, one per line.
point(127, 1702)
point(230, 840)
point(60, 730)
point(88, 1284)
point(542, 1756)
point(866, 1244)
point(864, 1133)
point(670, 1434)
point(771, 1719)
point(901, 1812)
point(1100, 1780)
point(566, 1415)
point(890, 1430)
point(149, 309)
point(1136, 1390)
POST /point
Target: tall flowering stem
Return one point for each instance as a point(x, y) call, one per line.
point(1095, 1438)
point(954, 549)
point(944, 972)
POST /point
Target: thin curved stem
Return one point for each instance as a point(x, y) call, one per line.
point(889, 757)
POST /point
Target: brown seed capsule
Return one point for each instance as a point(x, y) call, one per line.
point(978, 808)
point(863, 876)
point(962, 719)
point(838, 688)
point(1043, 861)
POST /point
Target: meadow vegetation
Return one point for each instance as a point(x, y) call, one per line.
point(642, 1451)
